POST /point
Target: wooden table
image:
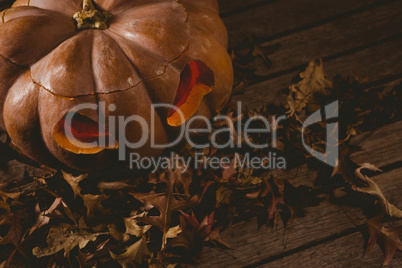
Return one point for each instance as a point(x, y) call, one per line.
point(356, 38)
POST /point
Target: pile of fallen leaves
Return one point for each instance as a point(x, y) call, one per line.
point(165, 218)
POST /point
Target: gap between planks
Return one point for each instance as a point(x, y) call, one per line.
point(330, 41)
point(281, 18)
point(381, 62)
point(323, 223)
point(347, 251)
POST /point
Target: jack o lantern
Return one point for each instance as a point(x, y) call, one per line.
point(127, 55)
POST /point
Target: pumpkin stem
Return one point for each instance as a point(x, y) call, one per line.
point(91, 18)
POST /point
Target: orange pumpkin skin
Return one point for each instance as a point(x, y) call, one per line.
point(47, 67)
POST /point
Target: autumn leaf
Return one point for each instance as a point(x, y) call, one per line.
point(351, 173)
point(134, 254)
point(313, 83)
point(216, 239)
point(390, 237)
point(245, 57)
point(74, 182)
point(14, 234)
point(42, 216)
point(192, 234)
point(116, 234)
point(223, 195)
point(204, 228)
point(93, 203)
point(65, 237)
point(183, 178)
point(132, 227)
point(173, 232)
point(229, 170)
point(8, 199)
point(247, 177)
point(298, 198)
point(167, 204)
point(374, 190)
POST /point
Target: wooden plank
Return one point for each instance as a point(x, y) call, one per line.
point(251, 245)
point(378, 144)
point(231, 7)
point(321, 223)
point(331, 39)
point(372, 151)
point(346, 251)
point(284, 17)
point(376, 63)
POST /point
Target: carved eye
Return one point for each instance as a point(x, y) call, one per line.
point(196, 81)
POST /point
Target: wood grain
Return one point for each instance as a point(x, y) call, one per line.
point(331, 40)
point(285, 17)
point(322, 224)
point(380, 62)
point(232, 7)
point(346, 251)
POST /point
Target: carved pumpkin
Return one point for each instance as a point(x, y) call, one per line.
point(127, 54)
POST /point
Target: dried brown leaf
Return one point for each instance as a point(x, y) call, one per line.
point(133, 228)
point(74, 182)
point(313, 83)
point(93, 203)
point(42, 216)
point(374, 190)
point(390, 237)
point(14, 234)
point(134, 254)
point(167, 204)
point(216, 239)
point(65, 237)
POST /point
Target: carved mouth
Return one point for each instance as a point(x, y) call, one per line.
point(81, 135)
point(196, 81)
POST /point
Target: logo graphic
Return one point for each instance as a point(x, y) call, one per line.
point(328, 114)
point(238, 134)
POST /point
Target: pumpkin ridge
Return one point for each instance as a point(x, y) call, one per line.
point(135, 67)
point(145, 30)
point(50, 15)
point(92, 67)
point(111, 92)
point(16, 64)
point(206, 32)
point(3, 14)
point(130, 62)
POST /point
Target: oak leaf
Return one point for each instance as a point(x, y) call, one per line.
point(390, 237)
point(42, 216)
point(65, 237)
point(173, 232)
point(373, 189)
point(313, 84)
point(74, 182)
point(134, 254)
point(216, 239)
point(167, 203)
point(93, 203)
point(14, 234)
point(192, 236)
point(133, 228)
point(8, 199)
